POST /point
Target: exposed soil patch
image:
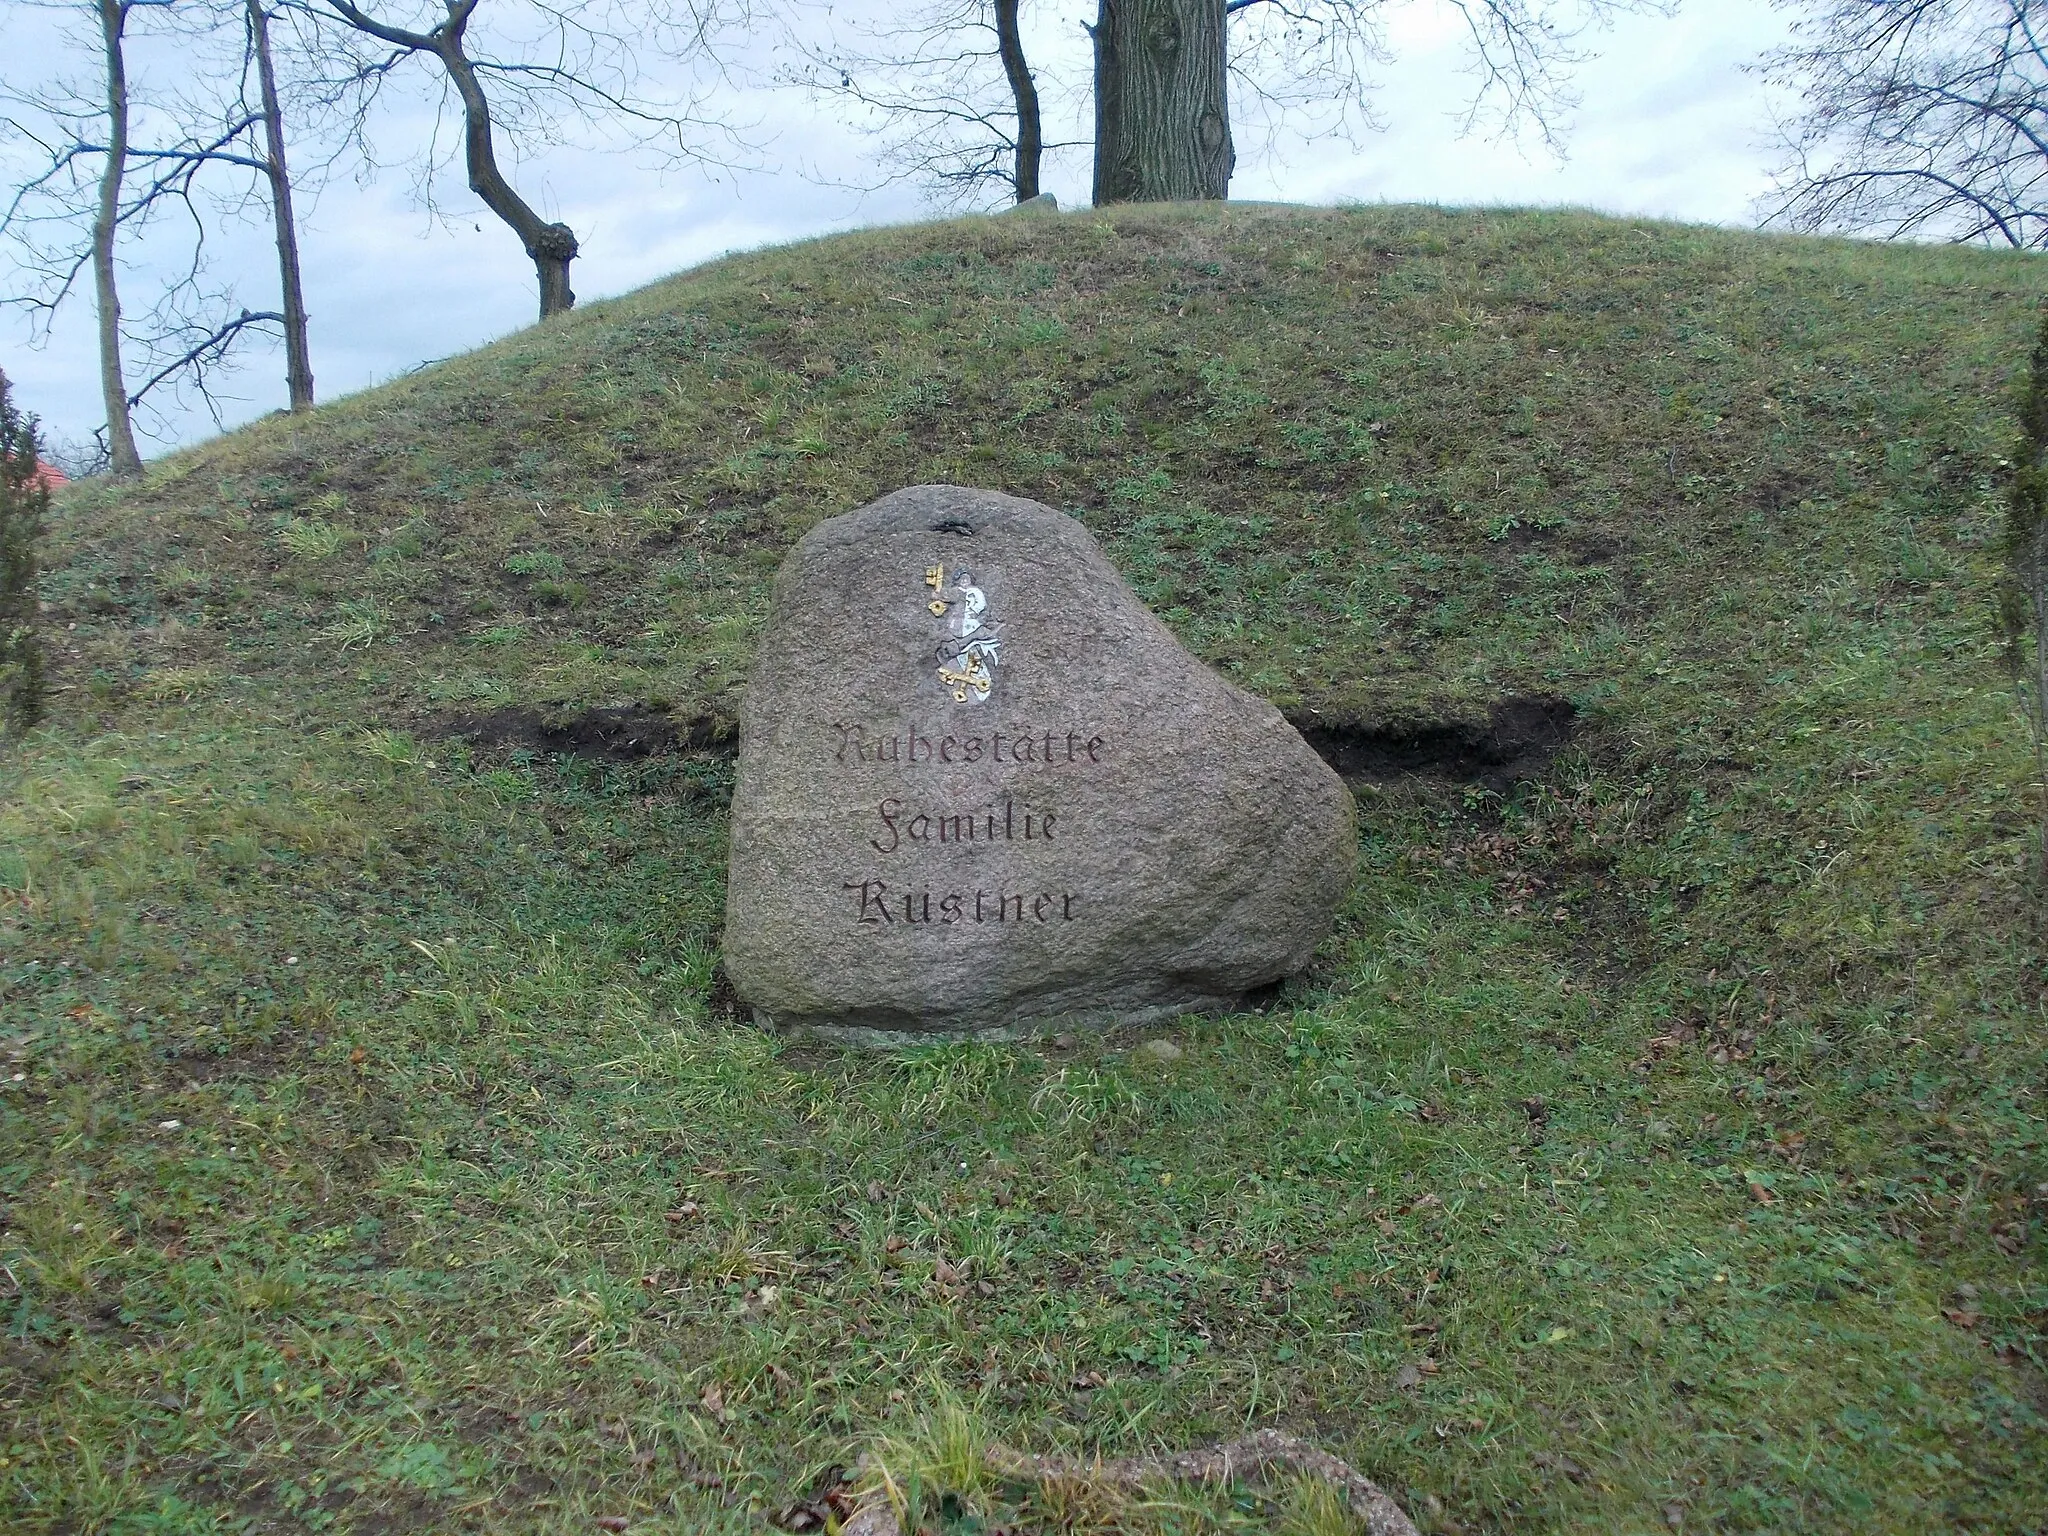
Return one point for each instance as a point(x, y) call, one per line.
point(1517, 740)
point(619, 733)
point(1781, 488)
point(1598, 548)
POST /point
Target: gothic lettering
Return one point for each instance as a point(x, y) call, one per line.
point(872, 909)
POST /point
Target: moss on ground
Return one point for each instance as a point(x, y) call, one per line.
point(1657, 1143)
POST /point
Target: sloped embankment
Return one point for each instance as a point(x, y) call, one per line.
point(1656, 1144)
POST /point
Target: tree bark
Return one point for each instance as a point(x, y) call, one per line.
point(123, 458)
point(1030, 134)
point(1162, 117)
point(298, 356)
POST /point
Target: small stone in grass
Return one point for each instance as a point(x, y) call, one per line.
point(170, 1125)
point(1161, 1050)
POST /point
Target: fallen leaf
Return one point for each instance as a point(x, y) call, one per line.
point(610, 1522)
point(893, 1244)
point(1962, 1317)
point(685, 1212)
point(713, 1399)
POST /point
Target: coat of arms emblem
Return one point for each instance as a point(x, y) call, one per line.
point(970, 649)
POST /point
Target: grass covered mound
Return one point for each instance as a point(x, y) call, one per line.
point(1657, 1144)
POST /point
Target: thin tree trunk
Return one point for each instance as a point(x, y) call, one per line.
point(1030, 135)
point(552, 246)
point(124, 459)
point(1162, 117)
point(298, 356)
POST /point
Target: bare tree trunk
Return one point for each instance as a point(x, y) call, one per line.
point(1162, 118)
point(124, 459)
point(1030, 135)
point(552, 246)
point(298, 356)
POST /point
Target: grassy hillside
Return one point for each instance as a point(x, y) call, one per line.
point(1658, 1143)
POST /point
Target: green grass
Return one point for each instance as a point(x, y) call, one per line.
point(1660, 1143)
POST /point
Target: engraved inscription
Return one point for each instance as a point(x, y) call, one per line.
point(901, 824)
point(878, 906)
point(857, 744)
point(903, 827)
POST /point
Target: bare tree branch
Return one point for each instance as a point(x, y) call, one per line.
point(84, 207)
point(943, 85)
point(211, 347)
point(929, 79)
point(582, 66)
point(1920, 118)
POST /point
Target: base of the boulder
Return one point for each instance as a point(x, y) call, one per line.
point(897, 1036)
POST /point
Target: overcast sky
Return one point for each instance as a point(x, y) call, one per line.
point(1670, 125)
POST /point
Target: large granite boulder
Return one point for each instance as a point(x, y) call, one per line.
point(982, 790)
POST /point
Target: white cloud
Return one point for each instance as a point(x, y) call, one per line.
point(1670, 126)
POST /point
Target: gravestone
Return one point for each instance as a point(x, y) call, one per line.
point(983, 790)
